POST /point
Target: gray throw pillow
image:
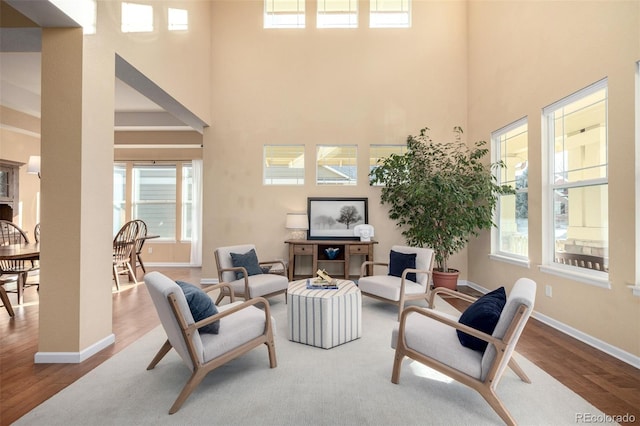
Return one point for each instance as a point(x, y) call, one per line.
point(248, 260)
point(201, 306)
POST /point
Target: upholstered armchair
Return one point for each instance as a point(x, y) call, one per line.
point(436, 339)
point(239, 266)
point(241, 327)
point(405, 277)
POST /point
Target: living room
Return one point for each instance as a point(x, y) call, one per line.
point(480, 65)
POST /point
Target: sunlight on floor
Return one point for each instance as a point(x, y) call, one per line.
point(422, 370)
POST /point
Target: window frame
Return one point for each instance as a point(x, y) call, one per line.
point(496, 153)
point(348, 181)
point(374, 23)
point(270, 15)
point(298, 180)
point(549, 187)
point(131, 26)
point(325, 19)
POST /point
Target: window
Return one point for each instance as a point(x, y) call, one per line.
point(154, 198)
point(187, 201)
point(336, 165)
point(390, 14)
point(119, 196)
point(81, 11)
point(576, 190)
point(337, 14)
point(380, 152)
point(511, 235)
point(178, 19)
point(284, 14)
point(283, 165)
point(137, 18)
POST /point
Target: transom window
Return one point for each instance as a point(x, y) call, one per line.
point(577, 188)
point(284, 14)
point(137, 17)
point(511, 235)
point(379, 152)
point(283, 165)
point(390, 13)
point(337, 14)
point(336, 165)
point(178, 19)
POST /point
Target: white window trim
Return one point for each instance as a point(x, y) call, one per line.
point(587, 276)
point(496, 253)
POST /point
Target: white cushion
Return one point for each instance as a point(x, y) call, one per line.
point(261, 284)
point(439, 341)
point(388, 286)
point(224, 257)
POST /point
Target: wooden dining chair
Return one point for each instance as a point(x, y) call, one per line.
point(142, 233)
point(10, 234)
point(123, 245)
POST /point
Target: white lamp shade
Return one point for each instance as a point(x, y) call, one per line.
point(297, 221)
point(33, 166)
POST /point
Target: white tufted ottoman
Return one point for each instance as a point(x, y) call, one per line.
point(324, 318)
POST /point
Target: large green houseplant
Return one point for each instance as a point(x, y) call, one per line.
point(440, 194)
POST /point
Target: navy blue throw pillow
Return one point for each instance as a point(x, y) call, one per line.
point(201, 306)
point(482, 315)
point(248, 260)
point(398, 262)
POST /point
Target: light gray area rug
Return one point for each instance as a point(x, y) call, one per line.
point(347, 385)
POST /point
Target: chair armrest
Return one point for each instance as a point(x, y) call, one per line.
point(212, 287)
point(243, 305)
point(449, 292)
point(275, 262)
point(363, 266)
point(498, 343)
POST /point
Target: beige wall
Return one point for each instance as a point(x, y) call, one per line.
point(309, 86)
point(523, 57)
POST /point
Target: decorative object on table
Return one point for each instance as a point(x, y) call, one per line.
point(322, 282)
point(440, 194)
point(332, 252)
point(365, 232)
point(334, 218)
point(298, 223)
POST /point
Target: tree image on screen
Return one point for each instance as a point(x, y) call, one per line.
point(349, 215)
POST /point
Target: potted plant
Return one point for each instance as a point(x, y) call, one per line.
point(440, 194)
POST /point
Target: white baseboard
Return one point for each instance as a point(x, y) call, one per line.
point(171, 265)
point(594, 342)
point(73, 357)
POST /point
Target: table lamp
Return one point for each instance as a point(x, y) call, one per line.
point(298, 223)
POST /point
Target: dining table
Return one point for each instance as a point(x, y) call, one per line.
point(28, 251)
point(134, 253)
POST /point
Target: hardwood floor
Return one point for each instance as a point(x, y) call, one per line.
point(607, 383)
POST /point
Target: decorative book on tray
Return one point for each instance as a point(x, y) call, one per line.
point(322, 282)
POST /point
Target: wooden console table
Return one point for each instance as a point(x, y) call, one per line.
point(315, 248)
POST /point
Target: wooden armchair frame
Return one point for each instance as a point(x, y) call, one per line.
point(368, 266)
point(485, 387)
point(201, 369)
point(247, 293)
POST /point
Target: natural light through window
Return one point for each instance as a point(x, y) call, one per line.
point(390, 13)
point(178, 19)
point(284, 14)
point(511, 235)
point(187, 201)
point(337, 14)
point(336, 165)
point(283, 165)
point(379, 152)
point(81, 11)
point(154, 198)
point(119, 196)
point(577, 191)
point(137, 18)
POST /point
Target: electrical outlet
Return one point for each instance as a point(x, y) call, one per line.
point(547, 290)
point(150, 250)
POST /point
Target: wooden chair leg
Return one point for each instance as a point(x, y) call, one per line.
point(161, 353)
point(489, 395)
point(397, 364)
point(193, 383)
point(115, 276)
point(518, 370)
point(132, 275)
point(141, 264)
point(6, 302)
